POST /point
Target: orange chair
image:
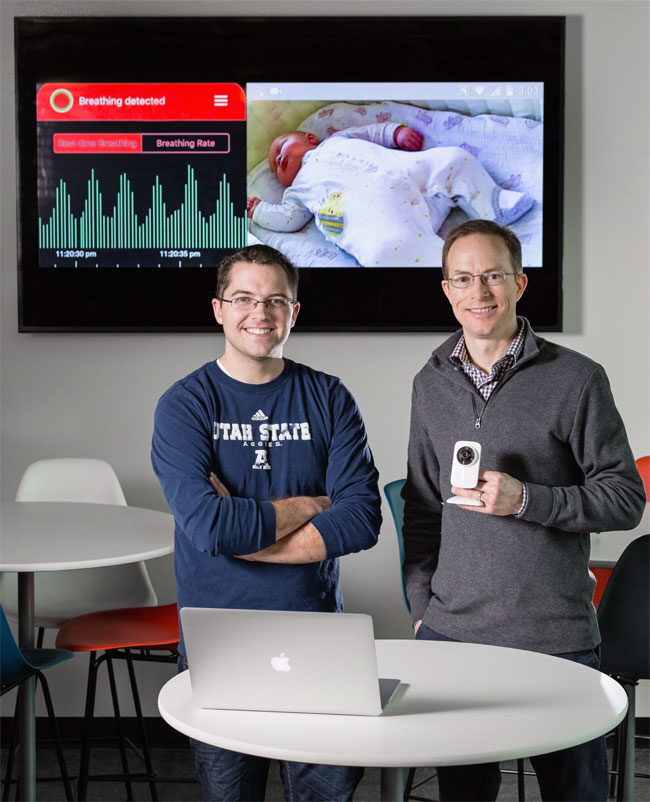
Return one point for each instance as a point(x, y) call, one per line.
point(117, 633)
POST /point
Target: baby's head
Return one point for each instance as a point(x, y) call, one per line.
point(286, 152)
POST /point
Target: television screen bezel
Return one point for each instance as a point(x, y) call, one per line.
point(411, 48)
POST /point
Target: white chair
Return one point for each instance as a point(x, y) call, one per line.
point(61, 595)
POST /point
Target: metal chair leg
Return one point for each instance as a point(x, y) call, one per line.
point(143, 730)
point(11, 755)
point(409, 784)
point(521, 787)
point(57, 738)
point(88, 716)
point(118, 727)
point(626, 771)
point(620, 779)
point(13, 745)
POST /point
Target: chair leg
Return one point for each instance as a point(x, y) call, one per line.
point(57, 738)
point(118, 727)
point(409, 784)
point(11, 755)
point(622, 755)
point(41, 635)
point(626, 773)
point(143, 730)
point(521, 787)
point(616, 759)
point(84, 762)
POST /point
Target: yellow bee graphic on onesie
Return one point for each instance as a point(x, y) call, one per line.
point(331, 214)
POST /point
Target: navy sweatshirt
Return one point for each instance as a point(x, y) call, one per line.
point(298, 435)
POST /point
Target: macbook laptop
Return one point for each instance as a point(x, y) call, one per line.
point(284, 661)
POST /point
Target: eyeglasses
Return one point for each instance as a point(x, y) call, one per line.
point(243, 303)
point(492, 278)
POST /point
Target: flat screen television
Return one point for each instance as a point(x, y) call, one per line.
point(143, 158)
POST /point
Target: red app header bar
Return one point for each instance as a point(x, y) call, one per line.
point(142, 102)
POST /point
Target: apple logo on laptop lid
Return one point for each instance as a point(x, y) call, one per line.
point(281, 663)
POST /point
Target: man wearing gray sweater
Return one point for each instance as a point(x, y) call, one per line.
point(556, 465)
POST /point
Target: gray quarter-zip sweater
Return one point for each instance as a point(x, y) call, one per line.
point(518, 581)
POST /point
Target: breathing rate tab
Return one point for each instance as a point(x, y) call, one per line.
point(186, 143)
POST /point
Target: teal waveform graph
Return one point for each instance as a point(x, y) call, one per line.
point(99, 226)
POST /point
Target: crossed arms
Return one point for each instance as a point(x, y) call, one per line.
point(297, 540)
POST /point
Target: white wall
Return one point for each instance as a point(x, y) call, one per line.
point(94, 394)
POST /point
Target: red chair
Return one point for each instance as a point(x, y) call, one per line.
point(643, 467)
point(602, 576)
point(131, 634)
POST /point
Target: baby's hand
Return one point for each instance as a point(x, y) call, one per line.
point(251, 203)
point(408, 138)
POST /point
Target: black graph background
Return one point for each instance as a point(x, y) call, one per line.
point(141, 170)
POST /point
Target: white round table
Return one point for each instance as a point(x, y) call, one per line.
point(459, 703)
point(56, 536)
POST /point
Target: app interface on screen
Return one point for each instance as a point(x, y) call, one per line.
point(333, 175)
point(140, 175)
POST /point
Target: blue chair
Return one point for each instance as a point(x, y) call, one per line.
point(393, 491)
point(16, 666)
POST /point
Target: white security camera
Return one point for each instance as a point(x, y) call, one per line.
point(464, 470)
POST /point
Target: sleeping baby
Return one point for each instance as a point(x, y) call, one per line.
point(376, 194)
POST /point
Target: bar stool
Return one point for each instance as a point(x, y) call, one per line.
point(131, 634)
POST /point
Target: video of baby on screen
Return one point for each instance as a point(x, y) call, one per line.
point(380, 183)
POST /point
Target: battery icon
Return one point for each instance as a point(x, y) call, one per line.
point(509, 90)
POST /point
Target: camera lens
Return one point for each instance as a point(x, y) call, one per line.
point(466, 455)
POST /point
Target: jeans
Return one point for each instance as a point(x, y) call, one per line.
point(227, 776)
point(578, 774)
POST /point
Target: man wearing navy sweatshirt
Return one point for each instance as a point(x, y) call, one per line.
point(266, 466)
point(556, 466)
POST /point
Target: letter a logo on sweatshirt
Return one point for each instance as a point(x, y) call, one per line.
point(259, 415)
point(261, 461)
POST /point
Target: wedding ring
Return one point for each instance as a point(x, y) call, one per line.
point(480, 493)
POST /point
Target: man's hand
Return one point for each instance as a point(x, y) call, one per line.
point(218, 485)
point(251, 204)
point(500, 493)
point(305, 545)
point(416, 626)
point(408, 138)
point(292, 513)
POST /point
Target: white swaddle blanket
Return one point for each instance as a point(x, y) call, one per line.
point(384, 205)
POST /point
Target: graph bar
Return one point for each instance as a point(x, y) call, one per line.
point(186, 226)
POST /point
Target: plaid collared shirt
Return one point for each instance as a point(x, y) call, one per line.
point(485, 383)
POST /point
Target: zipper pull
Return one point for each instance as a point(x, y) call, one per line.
point(477, 425)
